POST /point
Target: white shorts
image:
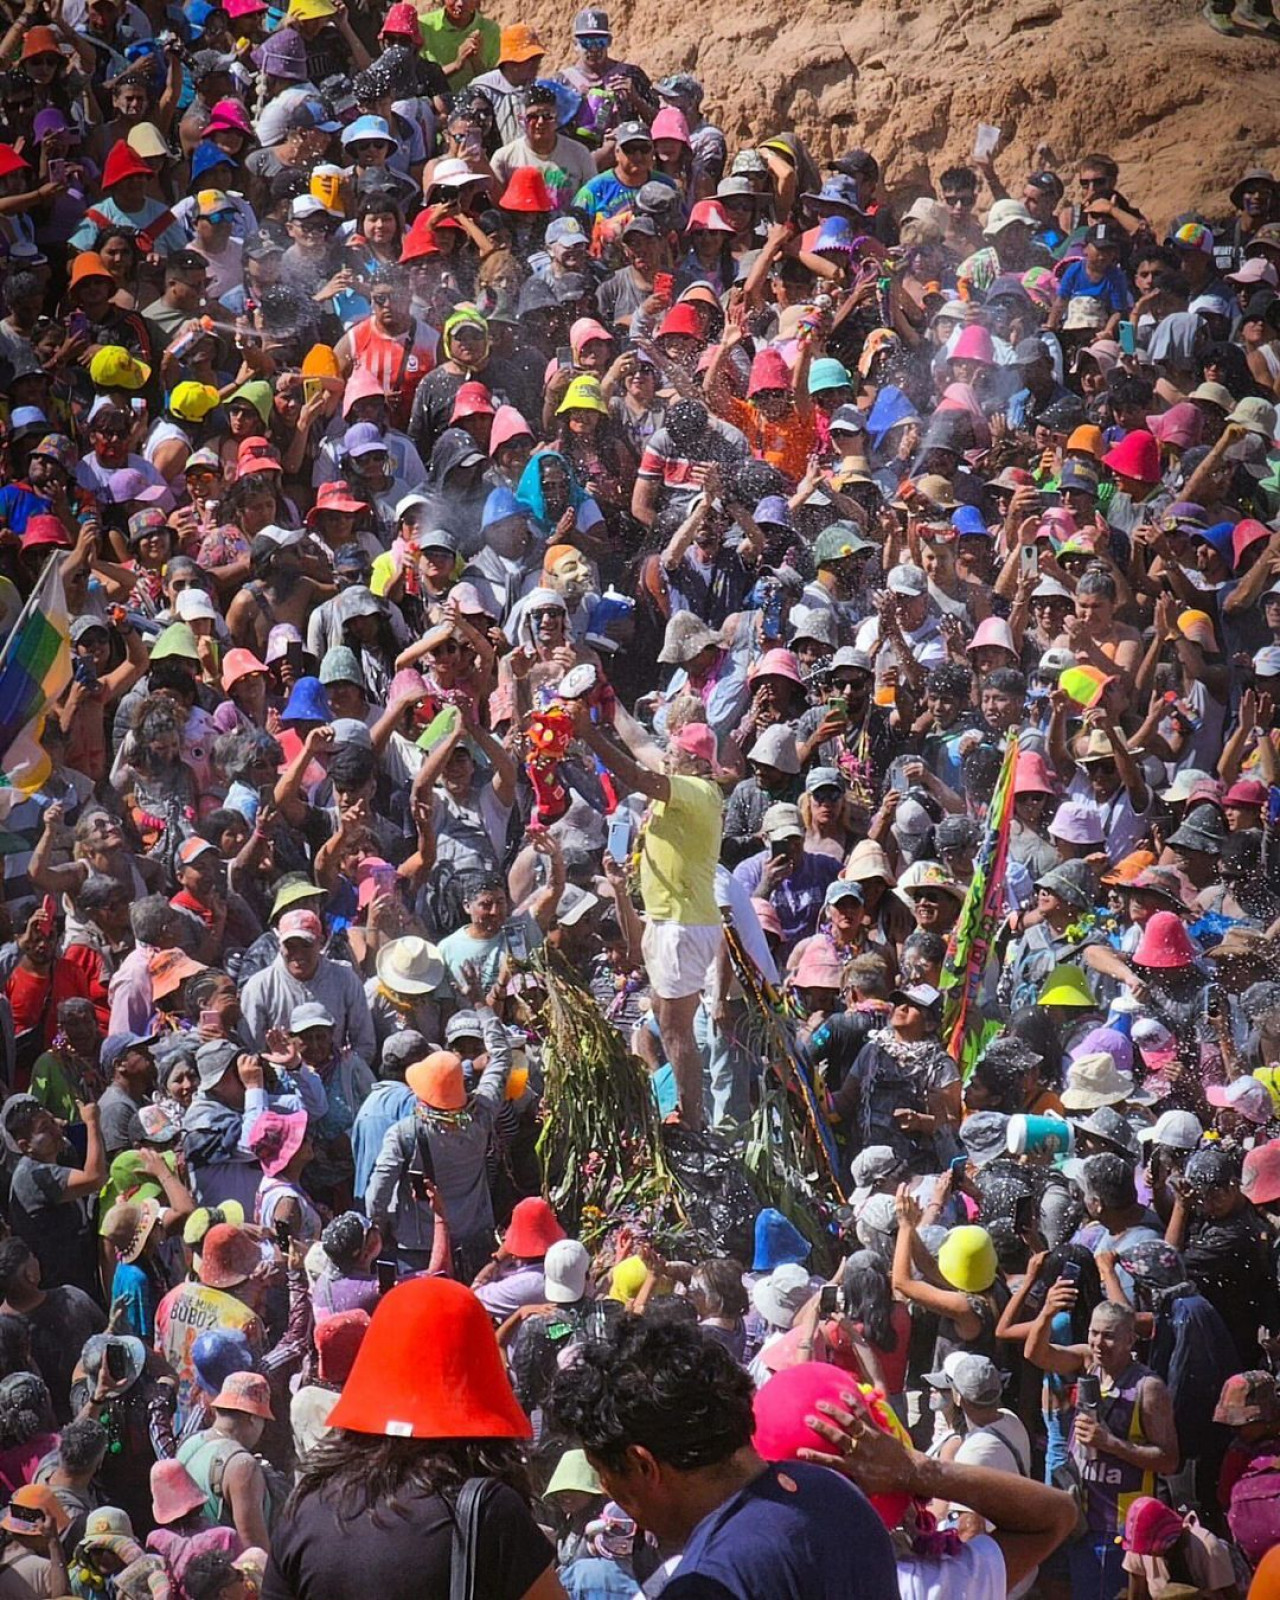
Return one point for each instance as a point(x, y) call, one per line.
point(677, 955)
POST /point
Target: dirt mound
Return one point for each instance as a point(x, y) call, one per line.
point(1183, 110)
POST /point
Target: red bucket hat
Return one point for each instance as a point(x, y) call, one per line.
point(532, 1231)
point(123, 162)
point(338, 1340)
point(682, 319)
point(1137, 456)
point(228, 1256)
point(769, 371)
point(526, 190)
point(401, 22)
point(462, 1392)
point(1165, 943)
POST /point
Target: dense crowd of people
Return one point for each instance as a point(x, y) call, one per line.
point(505, 588)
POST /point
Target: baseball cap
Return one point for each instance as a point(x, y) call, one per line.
point(907, 579)
point(782, 822)
point(631, 133)
point(300, 925)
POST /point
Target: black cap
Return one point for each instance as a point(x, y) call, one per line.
point(856, 164)
point(1106, 233)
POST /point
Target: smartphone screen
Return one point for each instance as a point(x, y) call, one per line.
point(827, 1300)
point(387, 1272)
point(283, 1236)
point(663, 283)
point(293, 655)
point(1128, 341)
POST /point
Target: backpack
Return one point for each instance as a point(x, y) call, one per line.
point(1254, 1513)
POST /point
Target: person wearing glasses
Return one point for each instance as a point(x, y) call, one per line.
point(615, 91)
point(959, 186)
point(565, 164)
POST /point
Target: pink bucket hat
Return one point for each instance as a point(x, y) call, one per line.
point(276, 1137)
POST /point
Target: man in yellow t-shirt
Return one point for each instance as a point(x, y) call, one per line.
point(683, 930)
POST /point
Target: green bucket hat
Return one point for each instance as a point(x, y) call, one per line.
point(841, 539)
point(128, 1179)
point(257, 394)
point(292, 894)
point(176, 640)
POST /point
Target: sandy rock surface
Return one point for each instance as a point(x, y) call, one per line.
point(1183, 110)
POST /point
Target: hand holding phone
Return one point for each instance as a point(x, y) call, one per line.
point(663, 284)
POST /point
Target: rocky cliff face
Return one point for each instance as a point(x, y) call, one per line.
point(1182, 110)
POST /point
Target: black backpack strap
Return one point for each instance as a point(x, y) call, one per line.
point(467, 1515)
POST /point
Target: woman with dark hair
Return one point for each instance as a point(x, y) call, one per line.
point(251, 504)
point(381, 1503)
point(879, 1320)
point(379, 230)
point(118, 248)
point(1038, 1030)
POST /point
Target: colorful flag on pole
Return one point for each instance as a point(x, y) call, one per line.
point(976, 927)
point(34, 670)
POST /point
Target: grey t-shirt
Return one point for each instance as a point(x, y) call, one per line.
point(119, 1117)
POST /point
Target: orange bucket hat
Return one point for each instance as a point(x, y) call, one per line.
point(437, 1081)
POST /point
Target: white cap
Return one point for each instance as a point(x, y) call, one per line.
point(194, 604)
point(1177, 1129)
point(907, 579)
point(564, 1272)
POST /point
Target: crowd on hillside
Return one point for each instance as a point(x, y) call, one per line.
point(482, 548)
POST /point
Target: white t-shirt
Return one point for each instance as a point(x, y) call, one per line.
point(976, 1572)
point(1004, 1446)
point(1122, 827)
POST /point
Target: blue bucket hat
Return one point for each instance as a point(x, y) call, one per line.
point(207, 154)
point(778, 1242)
point(307, 702)
point(968, 519)
point(891, 408)
point(1219, 537)
point(828, 373)
point(838, 190)
point(500, 505)
point(216, 1355)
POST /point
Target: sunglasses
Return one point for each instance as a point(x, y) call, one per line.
point(448, 648)
point(218, 217)
point(383, 299)
point(112, 433)
point(828, 797)
point(315, 226)
point(547, 611)
point(964, 202)
point(539, 116)
point(595, 41)
point(1094, 183)
point(928, 897)
point(369, 144)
